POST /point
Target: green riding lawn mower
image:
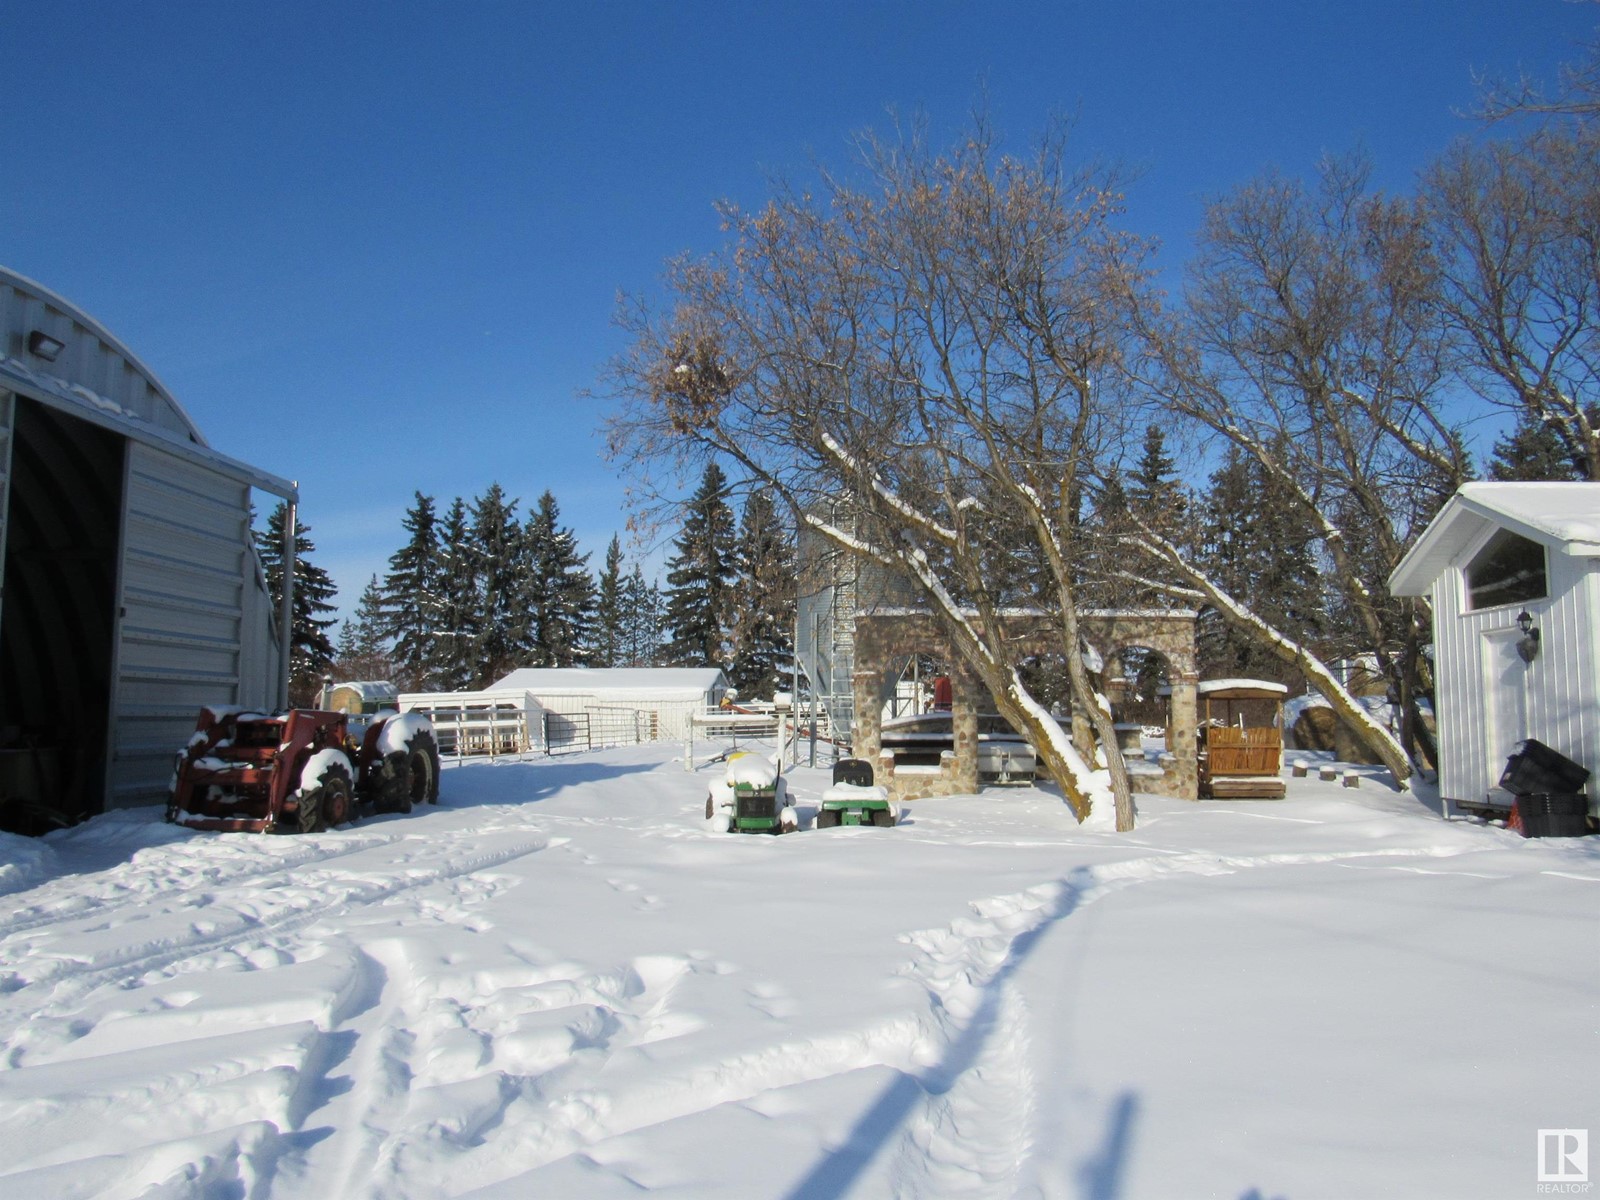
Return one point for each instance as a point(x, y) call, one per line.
point(854, 799)
point(754, 796)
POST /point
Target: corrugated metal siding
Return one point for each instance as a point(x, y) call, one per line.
point(186, 566)
point(89, 359)
point(1562, 683)
point(260, 652)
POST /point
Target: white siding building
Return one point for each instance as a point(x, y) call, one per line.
point(1495, 552)
point(609, 697)
point(132, 592)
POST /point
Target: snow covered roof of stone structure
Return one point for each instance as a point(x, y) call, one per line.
point(1565, 516)
point(659, 683)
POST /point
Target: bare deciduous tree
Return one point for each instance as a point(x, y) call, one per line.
point(1307, 339)
point(1517, 226)
point(937, 349)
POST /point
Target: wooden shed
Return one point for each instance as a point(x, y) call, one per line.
point(1513, 570)
point(1241, 738)
point(133, 594)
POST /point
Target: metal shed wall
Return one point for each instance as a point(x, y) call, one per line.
point(194, 621)
point(193, 618)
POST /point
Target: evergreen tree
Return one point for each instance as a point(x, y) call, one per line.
point(700, 578)
point(363, 646)
point(411, 601)
point(452, 658)
point(1534, 451)
point(764, 601)
point(499, 574)
point(558, 596)
point(1154, 491)
point(643, 609)
point(1257, 544)
point(610, 633)
point(311, 653)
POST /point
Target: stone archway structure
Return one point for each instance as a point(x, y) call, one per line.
point(883, 640)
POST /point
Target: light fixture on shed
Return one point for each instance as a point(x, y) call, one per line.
point(44, 346)
point(1528, 644)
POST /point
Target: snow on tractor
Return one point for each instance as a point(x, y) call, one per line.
point(301, 771)
point(754, 795)
point(854, 800)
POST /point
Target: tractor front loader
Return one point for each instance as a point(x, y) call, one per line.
point(301, 771)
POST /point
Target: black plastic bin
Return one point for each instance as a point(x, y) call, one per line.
point(1535, 769)
point(1553, 815)
point(857, 771)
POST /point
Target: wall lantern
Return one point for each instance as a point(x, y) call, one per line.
point(1528, 645)
point(44, 346)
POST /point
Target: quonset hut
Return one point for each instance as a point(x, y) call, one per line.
point(131, 593)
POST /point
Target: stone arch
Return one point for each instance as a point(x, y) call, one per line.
point(884, 639)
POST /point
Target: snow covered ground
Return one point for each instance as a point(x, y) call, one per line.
point(563, 983)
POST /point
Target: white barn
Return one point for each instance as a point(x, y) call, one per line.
point(1498, 557)
point(132, 591)
point(603, 697)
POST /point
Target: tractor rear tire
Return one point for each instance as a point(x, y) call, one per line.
point(711, 808)
point(883, 819)
point(330, 796)
point(410, 775)
point(827, 818)
point(338, 806)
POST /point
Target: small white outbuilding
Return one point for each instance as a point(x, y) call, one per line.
point(654, 702)
point(1513, 570)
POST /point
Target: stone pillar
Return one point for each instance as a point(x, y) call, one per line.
point(969, 695)
point(1184, 719)
point(866, 740)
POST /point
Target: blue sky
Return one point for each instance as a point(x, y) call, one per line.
point(376, 247)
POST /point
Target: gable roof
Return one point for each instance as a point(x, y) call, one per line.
point(1563, 516)
point(657, 683)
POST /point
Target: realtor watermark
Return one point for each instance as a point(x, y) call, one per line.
point(1564, 1162)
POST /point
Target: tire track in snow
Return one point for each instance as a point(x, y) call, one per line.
point(121, 888)
point(175, 935)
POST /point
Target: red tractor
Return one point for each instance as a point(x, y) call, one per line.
point(302, 771)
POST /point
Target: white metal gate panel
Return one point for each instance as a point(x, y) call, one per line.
point(187, 562)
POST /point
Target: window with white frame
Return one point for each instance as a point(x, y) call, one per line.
point(1510, 569)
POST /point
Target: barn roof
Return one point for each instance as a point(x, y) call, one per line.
point(658, 683)
point(101, 381)
point(1563, 516)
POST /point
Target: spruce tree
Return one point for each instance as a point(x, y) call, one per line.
point(700, 578)
point(311, 653)
point(1535, 452)
point(764, 601)
point(610, 633)
point(363, 646)
point(558, 595)
point(1257, 544)
point(500, 574)
point(411, 601)
point(1154, 491)
point(452, 658)
point(643, 612)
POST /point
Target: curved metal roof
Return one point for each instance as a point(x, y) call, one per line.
point(96, 377)
point(56, 305)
